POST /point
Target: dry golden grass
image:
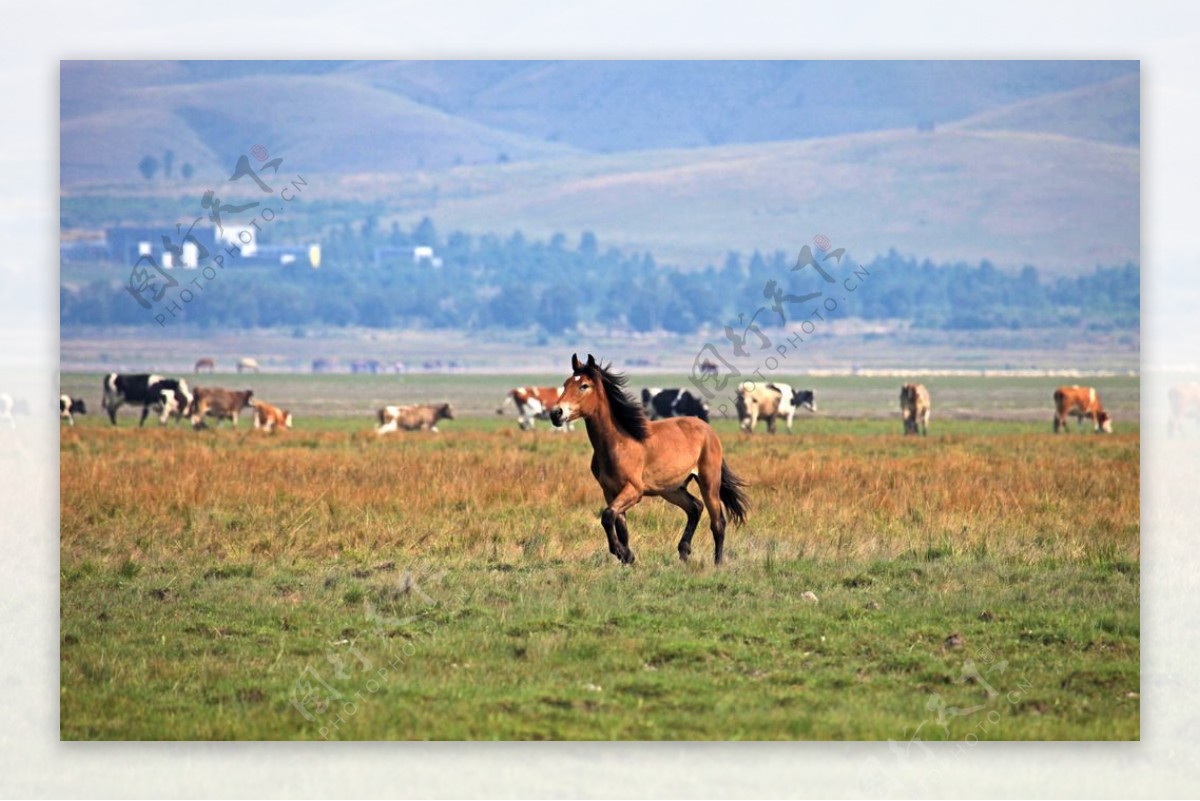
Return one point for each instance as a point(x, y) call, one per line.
point(465, 494)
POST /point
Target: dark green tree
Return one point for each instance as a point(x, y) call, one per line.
point(512, 308)
point(148, 166)
point(557, 310)
point(425, 234)
point(588, 245)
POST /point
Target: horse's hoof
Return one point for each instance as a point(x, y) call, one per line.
point(684, 554)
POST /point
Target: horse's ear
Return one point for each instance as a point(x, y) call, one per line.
point(575, 365)
point(591, 361)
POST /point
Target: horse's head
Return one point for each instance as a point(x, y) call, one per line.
point(581, 393)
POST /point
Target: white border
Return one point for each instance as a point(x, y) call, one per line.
point(1164, 36)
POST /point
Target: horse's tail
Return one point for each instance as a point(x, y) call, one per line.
point(733, 495)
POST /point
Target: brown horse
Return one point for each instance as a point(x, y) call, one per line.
point(633, 457)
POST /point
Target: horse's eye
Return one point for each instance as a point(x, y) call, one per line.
point(584, 387)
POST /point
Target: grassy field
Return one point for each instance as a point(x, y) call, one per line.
point(324, 583)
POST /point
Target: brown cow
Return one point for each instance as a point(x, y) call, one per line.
point(418, 417)
point(268, 417)
point(768, 401)
point(1185, 403)
point(219, 403)
point(915, 407)
point(1081, 402)
point(533, 403)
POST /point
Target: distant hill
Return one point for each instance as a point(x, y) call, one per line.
point(616, 106)
point(1107, 112)
point(1015, 162)
point(396, 116)
point(326, 123)
point(1014, 198)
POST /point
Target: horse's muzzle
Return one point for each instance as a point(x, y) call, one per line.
point(556, 416)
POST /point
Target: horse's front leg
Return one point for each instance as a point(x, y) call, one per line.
point(613, 520)
point(609, 524)
point(623, 534)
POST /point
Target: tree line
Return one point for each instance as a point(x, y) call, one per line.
point(368, 277)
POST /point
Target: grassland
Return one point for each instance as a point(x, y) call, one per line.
point(323, 583)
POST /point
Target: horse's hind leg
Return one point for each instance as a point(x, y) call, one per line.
point(710, 493)
point(689, 504)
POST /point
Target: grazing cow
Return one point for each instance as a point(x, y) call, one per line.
point(708, 367)
point(168, 396)
point(268, 417)
point(205, 364)
point(660, 404)
point(68, 407)
point(915, 408)
point(1081, 402)
point(246, 363)
point(372, 366)
point(219, 403)
point(768, 401)
point(1185, 403)
point(533, 403)
point(419, 417)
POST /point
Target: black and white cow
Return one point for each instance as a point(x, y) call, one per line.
point(804, 399)
point(68, 407)
point(168, 396)
point(660, 403)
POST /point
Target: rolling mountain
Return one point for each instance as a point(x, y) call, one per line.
point(1105, 112)
point(617, 106)
point(1016, 162)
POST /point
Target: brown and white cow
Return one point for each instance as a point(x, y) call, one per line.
point(534, 403)
point(770, 400)
point(418, 417)
point(1081, 402)
point(223, 404)
point(915, 408)
point(1185, 403)
point(268, 417)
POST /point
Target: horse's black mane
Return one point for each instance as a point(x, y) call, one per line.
point(627, 414)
